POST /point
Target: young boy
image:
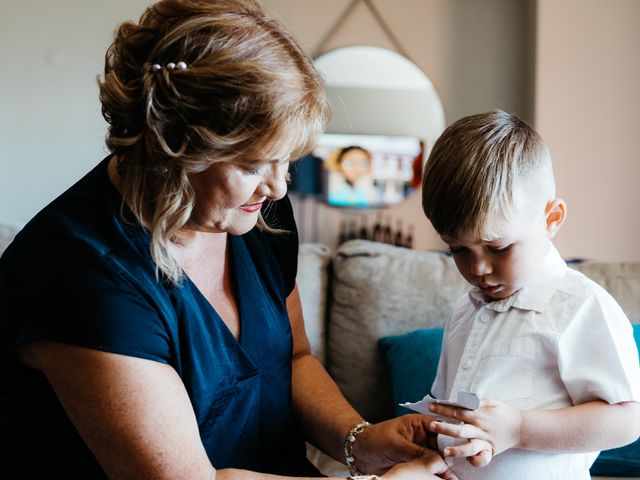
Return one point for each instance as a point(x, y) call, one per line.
point(549, 352)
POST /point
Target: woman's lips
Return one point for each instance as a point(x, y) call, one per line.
point(252, 207)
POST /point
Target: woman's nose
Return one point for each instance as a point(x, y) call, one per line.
point(274, 185)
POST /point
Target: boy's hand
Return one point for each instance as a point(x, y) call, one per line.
point(494, 422)
point(476, 451)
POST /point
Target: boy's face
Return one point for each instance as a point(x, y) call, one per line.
point(501, 267)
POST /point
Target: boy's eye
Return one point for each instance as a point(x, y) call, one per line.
point(456, 250)
point(500, 250)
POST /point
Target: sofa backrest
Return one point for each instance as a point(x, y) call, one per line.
point(621, 280)
point(379, 290)
point(313, 284)
point(7, 232)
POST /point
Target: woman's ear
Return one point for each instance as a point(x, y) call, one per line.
point(555, 215)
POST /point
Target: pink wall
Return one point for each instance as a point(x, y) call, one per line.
point(570, 66)
point(478, 55)
point(587, 105)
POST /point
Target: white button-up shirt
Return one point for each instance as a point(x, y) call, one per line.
point(559, 342)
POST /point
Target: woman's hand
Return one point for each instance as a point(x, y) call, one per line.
point(429, 466)
point(495, 424)
point(383, 445)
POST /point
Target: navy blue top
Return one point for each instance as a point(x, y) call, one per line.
point(81, 273)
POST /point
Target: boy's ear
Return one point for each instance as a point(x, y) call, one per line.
point(555, 215)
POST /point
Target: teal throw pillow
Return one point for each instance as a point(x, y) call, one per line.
point(412, 359)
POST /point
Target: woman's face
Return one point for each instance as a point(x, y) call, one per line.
point(229, 196)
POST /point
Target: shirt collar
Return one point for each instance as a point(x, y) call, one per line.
point(533, 296)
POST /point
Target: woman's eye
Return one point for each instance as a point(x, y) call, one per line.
point(500, 250)
point(253, 170)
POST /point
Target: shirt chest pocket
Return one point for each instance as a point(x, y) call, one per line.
point(505, 370)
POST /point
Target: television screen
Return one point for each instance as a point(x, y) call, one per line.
point(363, 171)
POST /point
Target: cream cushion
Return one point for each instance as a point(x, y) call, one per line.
point(381, 290)
point(7, 232)
point(313, 281)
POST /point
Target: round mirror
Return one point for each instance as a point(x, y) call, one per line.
point(385, 116)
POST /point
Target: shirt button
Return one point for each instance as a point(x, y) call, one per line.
point(466, 364)
point(484, 317)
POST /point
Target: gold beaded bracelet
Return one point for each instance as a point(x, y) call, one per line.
point(348, 447)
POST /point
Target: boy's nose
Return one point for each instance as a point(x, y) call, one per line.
point(480, 267)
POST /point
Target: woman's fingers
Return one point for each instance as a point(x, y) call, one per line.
point(423, 468)
point(448, 475)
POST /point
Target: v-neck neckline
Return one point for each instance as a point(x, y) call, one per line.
point(234, 267)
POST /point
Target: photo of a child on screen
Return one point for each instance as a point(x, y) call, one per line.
point(355, 188)
point(364, 171)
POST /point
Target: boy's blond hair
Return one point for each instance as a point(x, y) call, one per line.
point(481, 169)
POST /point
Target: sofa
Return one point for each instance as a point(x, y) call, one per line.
point(366, 291)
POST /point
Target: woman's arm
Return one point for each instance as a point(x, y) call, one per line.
point(134, 414)
point(323, 411)
point(136, 417)
point(327, 417)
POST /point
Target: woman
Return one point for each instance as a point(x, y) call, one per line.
point(148, 329)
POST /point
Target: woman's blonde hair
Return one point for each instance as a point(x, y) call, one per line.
point(482, 168)
point(246, 87)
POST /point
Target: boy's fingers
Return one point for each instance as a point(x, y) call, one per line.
point(480, 459)
point(469, 449)
point(463, 430)
point(454, 413)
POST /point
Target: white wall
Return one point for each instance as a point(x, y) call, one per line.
point(51, 129)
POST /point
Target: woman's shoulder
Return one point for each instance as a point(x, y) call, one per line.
point(86, 218)
point(80, 243)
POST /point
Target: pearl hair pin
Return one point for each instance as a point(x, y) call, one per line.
point(156, 67)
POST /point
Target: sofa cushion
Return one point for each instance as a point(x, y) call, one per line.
point(412, 360)
point(380, 290)
point(7, 232)
point(621, 280)
point(312, 280)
